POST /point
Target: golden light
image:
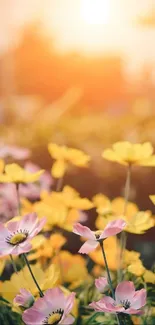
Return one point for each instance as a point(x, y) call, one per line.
point(95, 11)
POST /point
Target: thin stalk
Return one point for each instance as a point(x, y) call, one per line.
point(109, 277)
point(18, 198)
point(59, 184)
point(123, 238)
point(33, 277)
point(13, 264)
point(107, 269)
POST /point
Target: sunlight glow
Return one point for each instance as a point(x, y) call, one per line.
point(95, 11)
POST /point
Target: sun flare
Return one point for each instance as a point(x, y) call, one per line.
point(95, 11)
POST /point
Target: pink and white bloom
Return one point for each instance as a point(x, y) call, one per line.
point(127, 300)
point(101, 284)
point(94, 237)
point(16, 235)
point(54, 308)
point(24, 299)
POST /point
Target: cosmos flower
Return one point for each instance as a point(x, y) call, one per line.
point(101, 283)
point(127, 300)
point(65, 156)
point(13, 173)
point(15, 236)
point(94, 237)
point(54, 308)
point(127, 153)
point(24, 299)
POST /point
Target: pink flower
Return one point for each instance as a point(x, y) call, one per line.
point(53, 308)
point(15, 236)
point(127, 300)
point(101, 283)
point(94, 237)
point(14, 152)
point(24, 299)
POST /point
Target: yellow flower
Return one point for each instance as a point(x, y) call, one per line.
point(60, 208)
point(57, 241)
point(149, 276)
point(127, 153)
point(65, 156)
point(137, 221)
point(136, 268)
point(131, 257)
point(13, 173)
point(46, 279)
point(112, 253)
point(72, 267)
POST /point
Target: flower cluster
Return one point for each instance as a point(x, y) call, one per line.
point(42, 279)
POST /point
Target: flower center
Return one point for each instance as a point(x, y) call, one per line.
point(17, 238)
point(126, 303)
point(54, 319)
point(98, 234)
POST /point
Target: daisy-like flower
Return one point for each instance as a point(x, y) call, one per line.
point(94, 237)
point(127, 300)
point(15, 236)
point(127, 153)
point(54, 308)
point(101, 284)
point(13, 173)
point(24, 299)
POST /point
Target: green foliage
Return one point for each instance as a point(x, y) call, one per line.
point(8, 317)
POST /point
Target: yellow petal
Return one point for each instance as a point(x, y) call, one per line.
point(152, 198)
point(59, 168)
point(57, 152)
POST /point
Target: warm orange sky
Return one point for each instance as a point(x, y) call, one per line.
point(75, 29)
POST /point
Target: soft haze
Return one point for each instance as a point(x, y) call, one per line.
point(62, 18)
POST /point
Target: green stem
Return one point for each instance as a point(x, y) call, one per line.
point(13, 264)
point(109, 277)
point(33, 277)
point(107, 269)
point(123, 238)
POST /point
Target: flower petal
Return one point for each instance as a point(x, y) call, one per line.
point(124, 291)
point(33, 317)
point(67, 320)
point(83, 231)
point(113, 228)
point(139, 299)
point(88, 246)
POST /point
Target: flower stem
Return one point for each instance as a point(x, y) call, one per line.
point(107, 269)
point(33, 277)
point(13, 264)
point(59, 184)
point(18, 198)
point(123, 238)
point(109, 277)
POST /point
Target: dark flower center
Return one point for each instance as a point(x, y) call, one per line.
point(126, 303)
point(17, 237)
point(54, 318)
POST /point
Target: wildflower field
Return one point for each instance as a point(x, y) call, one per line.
point(55, 268)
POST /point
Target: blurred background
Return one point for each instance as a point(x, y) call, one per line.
point(81, 73)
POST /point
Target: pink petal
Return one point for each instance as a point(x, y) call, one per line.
point(83, 231)
point(3, 232)
point(124, 291)
point(88, 246)
point(139, 299)
point(28, 222)
point(5, 248)
point(101, 283)
point(33, 317)
point(13, 226)
point(67, 320)
point(56, 298)
point(24, 247)
point(69, 303)
point(113, 228)
point(106, 304)
point(39, 226)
